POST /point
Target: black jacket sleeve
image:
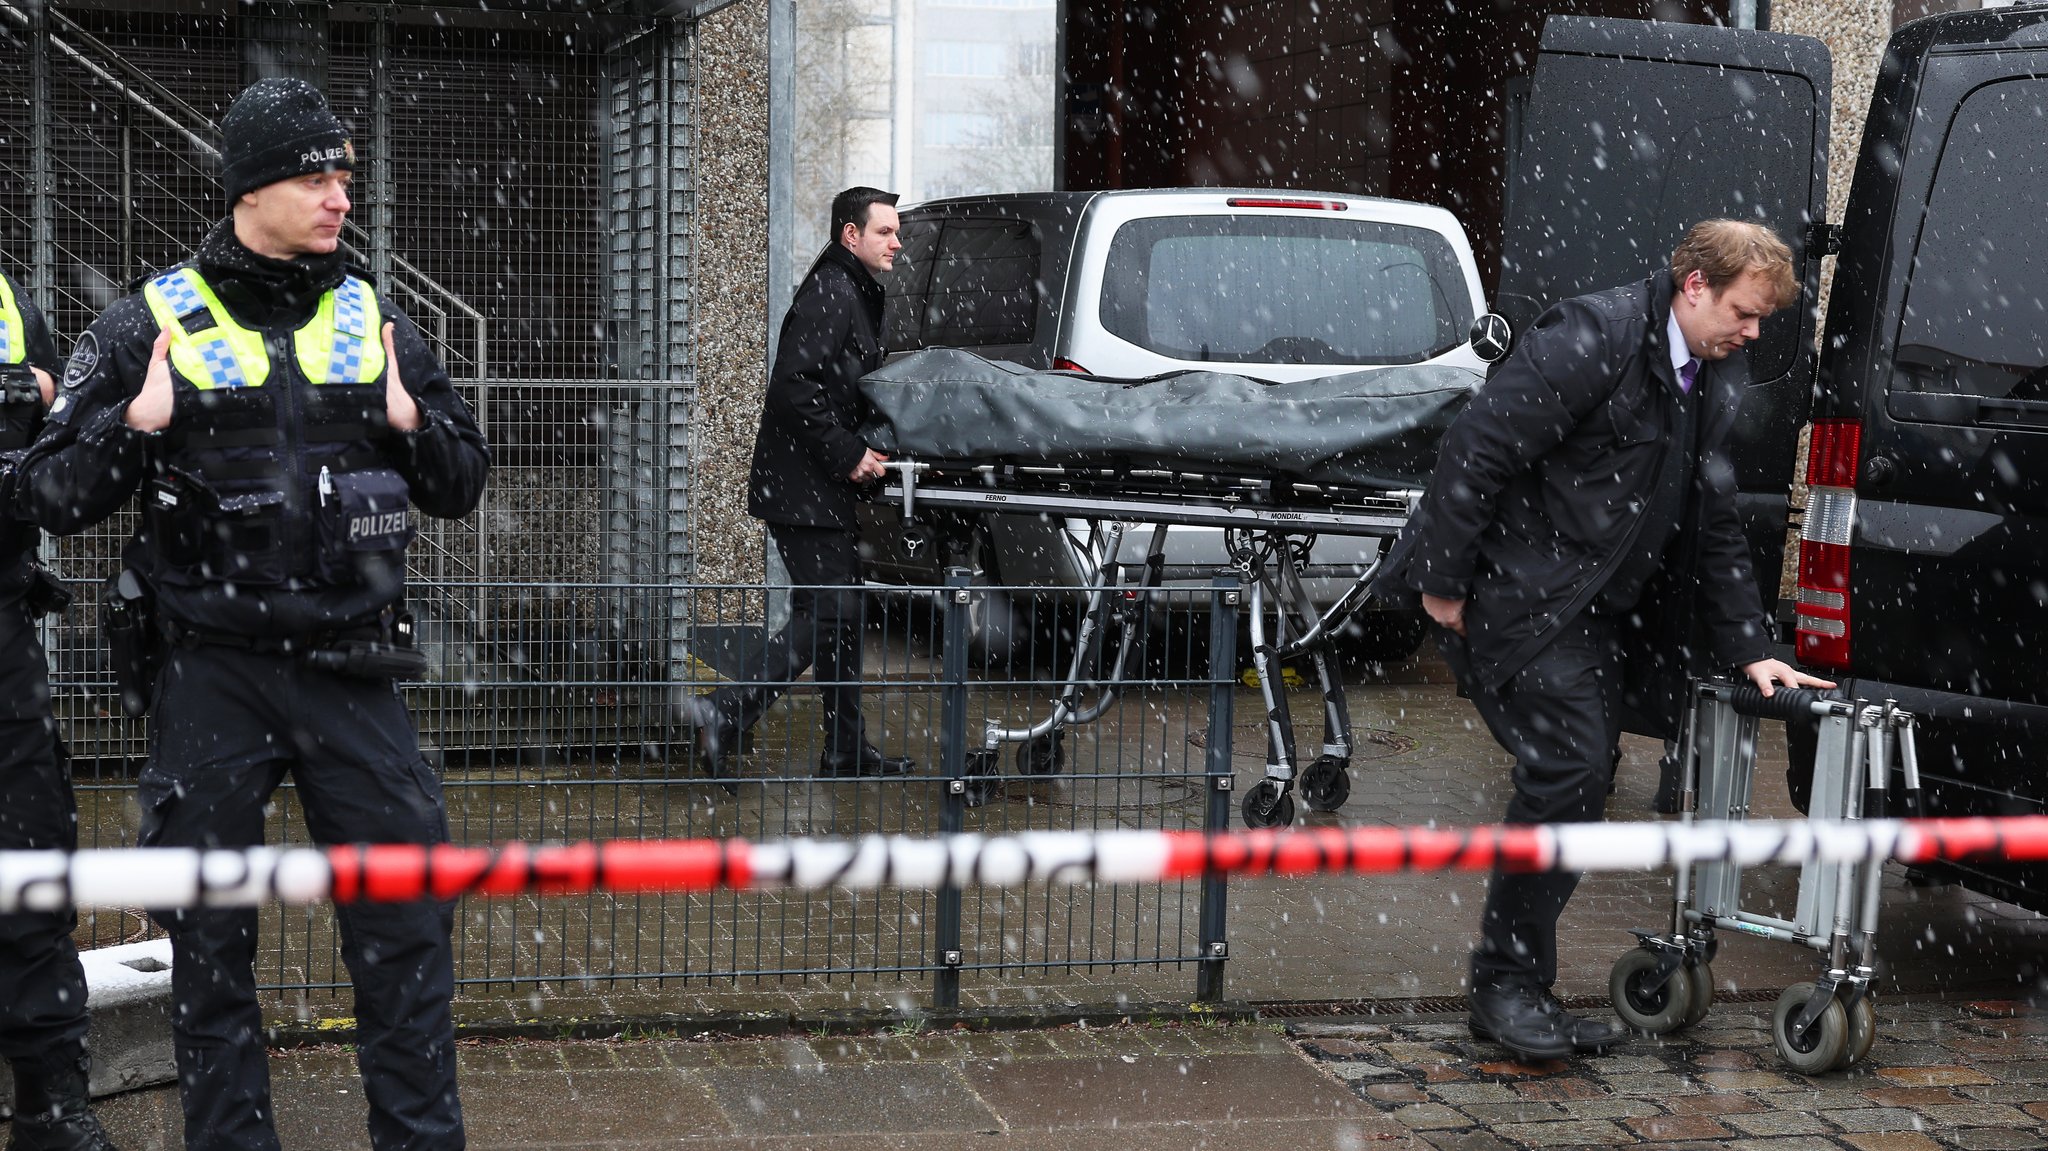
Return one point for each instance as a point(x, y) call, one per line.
point(1560, 371)
point(813, 340)
point(42, 345)
point(87, 462)
point(446, 459)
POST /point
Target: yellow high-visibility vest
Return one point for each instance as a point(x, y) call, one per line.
point(13, 333)
point(342, 344)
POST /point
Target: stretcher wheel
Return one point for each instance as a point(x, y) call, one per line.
point(1267, 805)
point(1862, 1032)
point(1325, 785)
point(981, 762)
point(1650, 1010)
point(1700, 991)
point(1045, 755)
point(1824, 1044)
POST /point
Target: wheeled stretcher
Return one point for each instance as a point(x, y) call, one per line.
point(1667, 982)
point(1269, 525)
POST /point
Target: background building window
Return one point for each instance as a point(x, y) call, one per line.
point(960, 129)
point(927, 98)
point(964, 58)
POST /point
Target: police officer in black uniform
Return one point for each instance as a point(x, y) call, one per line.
point(42, 987)
point(278, 416)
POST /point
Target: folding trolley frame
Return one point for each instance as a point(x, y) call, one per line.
point(1667, 982)
point(1269, 525)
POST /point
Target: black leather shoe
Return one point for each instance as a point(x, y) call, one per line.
point(1588, 1036)
point(713, 739)
point(1519, 1019)
point(870, 761)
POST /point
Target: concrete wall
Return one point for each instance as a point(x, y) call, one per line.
point(730, 320)
point(1855, 32)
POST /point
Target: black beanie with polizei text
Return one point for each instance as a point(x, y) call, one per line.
point(276, 129)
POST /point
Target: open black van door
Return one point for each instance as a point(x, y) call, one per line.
point(1924, 565)
point(1633, 131)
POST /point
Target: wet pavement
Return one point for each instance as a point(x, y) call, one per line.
point(1342, 1026)
point(1966, 1076)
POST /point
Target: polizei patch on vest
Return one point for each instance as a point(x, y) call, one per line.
point(377, 527)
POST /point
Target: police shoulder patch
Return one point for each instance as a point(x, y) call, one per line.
point(85, 356)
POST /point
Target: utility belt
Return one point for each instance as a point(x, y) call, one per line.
point(18, 385)
point(21, 407)
point(383, 650)
point(140, 641)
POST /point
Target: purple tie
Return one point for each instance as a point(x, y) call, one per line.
point(1687, 374)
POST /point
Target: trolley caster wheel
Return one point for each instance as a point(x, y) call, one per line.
point(1862, 1033)
point(1046, 755)
point(1267, 805)
point(1822, 1046)
point(1325, 785)
point(978, 792)
point(1700, 991)
point(1650, 1010)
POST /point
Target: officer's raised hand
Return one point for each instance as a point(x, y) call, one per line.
point(44, 384)
point(400, 410)
point(150, 410)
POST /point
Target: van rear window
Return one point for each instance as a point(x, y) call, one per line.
point(963, 283)
point(1284, 290)
point(1975, 319)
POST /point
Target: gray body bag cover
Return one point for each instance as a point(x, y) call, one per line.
point(1377, 428)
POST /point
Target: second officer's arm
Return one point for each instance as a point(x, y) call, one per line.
point(443, 457)
point(87, 461)
point(42, 347)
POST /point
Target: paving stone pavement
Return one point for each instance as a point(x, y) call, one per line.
point(1966, 1076)
point(1941, 1077)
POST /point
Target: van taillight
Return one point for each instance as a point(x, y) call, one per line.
point(1269, 202)
point(1821, 636)
point(1063, 364)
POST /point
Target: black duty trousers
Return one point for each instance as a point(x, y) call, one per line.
point(42, 987)
point(226, 728)
point(823, 630)
point(1560, 718)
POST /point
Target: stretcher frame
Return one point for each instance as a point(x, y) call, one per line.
point(1270, 524)
point(1666, 982)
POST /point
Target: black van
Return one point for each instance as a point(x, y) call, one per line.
point(1923, 565)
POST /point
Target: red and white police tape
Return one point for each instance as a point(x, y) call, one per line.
point(177, 877)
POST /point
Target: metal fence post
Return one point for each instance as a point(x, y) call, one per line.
point(1223, 606)
point(953, 759)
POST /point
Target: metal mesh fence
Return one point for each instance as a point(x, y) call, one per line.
point(595, 751)
point(524, 197)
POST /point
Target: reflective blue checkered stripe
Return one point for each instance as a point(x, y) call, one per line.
point(180, 290)
point(351, 332)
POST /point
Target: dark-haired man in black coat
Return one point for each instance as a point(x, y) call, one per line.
point(1581, 520)
point(808, 466)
